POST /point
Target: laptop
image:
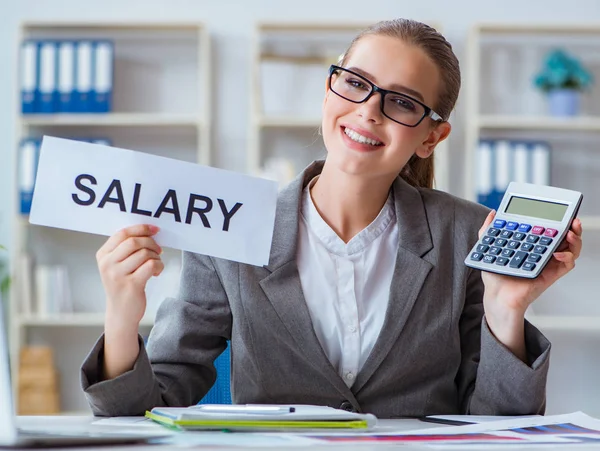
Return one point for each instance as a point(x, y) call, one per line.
point(13, 437)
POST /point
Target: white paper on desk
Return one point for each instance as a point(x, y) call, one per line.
point(576, 418)
point(194, 206)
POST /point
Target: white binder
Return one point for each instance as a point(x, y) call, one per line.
point(541, 164)
point(103, 76)
point(83, 77)
point(521, 165)
point(27, 171)
point(484, 172)
point(66, 76)
point(48, 70)
point(29, 79)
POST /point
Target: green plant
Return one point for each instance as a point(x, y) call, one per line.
point(4, 278)
point(562, 71)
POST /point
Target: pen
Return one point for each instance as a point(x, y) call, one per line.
point(442, 421)
point(259, 410)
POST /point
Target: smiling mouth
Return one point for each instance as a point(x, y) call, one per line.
point(357, 137)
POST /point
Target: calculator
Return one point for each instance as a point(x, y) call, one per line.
point(530, 223)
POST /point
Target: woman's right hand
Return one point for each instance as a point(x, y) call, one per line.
point(126, 262)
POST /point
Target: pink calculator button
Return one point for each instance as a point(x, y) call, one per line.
point(538, 230)
point(551, 232)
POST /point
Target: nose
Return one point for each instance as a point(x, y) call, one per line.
point(370, 110)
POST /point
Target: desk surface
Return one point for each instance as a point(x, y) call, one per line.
point(204, 439)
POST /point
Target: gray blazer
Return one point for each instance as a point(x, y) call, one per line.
point(434, 355)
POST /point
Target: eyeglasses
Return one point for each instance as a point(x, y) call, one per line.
point(396, 106)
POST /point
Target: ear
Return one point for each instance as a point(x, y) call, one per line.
point(326, 91)
point(435, 136)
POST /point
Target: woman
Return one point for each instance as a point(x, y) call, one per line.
point(366, 303)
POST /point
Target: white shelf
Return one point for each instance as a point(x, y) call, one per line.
point(539, 123)
point(162, 82)
point(113, 119)
point(71, 319)
point(566, 323)
point(291, 122)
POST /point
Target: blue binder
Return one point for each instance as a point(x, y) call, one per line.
point(28, 161)
point(83, 76)
point(29, 76)
point(66, 77)
point(48, 71)
point(220, 393)
point(102, 77)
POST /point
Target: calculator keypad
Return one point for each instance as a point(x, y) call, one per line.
point(519, 246)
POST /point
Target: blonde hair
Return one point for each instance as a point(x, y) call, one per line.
point(418, 171)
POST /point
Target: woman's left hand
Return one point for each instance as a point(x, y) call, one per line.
point(515, 293)
point(506, 298)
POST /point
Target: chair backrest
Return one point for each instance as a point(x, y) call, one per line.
point(220, 393)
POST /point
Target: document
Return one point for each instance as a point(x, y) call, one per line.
point(100, 189)
point(261, 418)
point(557, 429)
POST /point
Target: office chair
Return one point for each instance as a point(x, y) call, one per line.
point(220, 393)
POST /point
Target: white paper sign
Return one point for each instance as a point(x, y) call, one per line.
point(100, 189)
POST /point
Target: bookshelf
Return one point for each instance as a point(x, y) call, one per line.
point(503, 103)
point(161, 105)
point(285, 118)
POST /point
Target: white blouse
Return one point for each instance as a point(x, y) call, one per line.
point(346, 285)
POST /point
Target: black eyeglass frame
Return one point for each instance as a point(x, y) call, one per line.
point(383, 92)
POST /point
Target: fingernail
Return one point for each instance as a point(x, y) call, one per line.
point(493, 212)
point(154, 229)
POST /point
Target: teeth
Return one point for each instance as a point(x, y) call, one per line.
point(355, 136)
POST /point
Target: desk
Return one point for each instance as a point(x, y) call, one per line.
point(85, 422)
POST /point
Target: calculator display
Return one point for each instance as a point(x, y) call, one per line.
point(536, 208)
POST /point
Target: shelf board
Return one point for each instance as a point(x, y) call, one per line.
point(566, 323)
point(311, 26)
point(71, 319)
point(581, 123)
point(590, 222)
point(288, 122)
point(562, 28)
point(116, 25)
point(113, 119)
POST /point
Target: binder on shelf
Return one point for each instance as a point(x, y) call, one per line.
point(66, 77)
point(484, 172)
point(28, 159)
point(541, 163)
point(502, 171)
point(521, 163)
point(29, 77)
point(83, 76)
point(48, 77)
point(52, 291)
point(103, 77)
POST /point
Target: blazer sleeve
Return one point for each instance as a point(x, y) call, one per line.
point(492, 380)
point(176, 368)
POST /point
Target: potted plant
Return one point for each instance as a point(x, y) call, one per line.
point(563, 78)
point(4, 279)
point(4, 283)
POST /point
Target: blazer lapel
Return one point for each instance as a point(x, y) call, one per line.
point(410, 272)
point(283, 288)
